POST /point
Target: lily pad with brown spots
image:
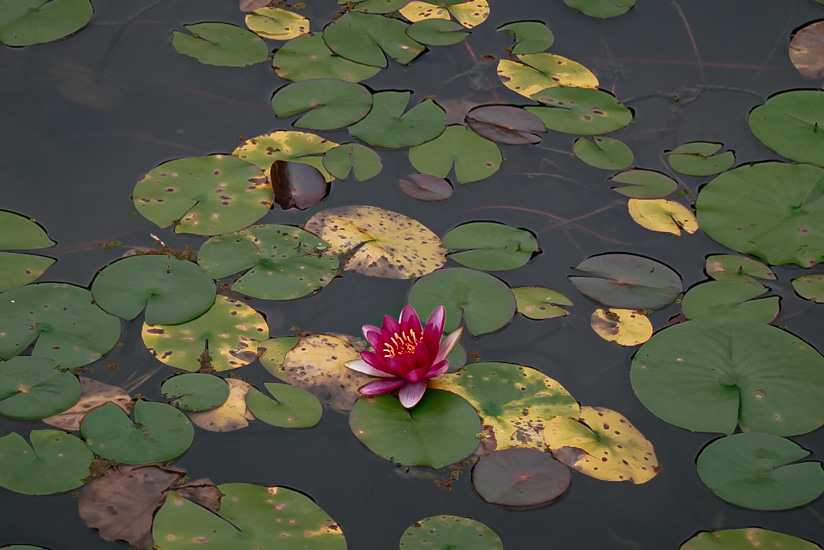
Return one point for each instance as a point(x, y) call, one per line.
point(305, 147)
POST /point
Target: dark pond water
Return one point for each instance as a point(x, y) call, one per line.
point(84, 118)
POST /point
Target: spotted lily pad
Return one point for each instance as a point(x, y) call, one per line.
point(728, 267)
point(285, 145)
point(469, 14)
point(27, 22)
point(625, 327)
point(449, 533)
point(230, 329)
point(377, 242)
point(204, 195)
point(332, 103)
point(220, 44)
point(277, 24)
point(644, 184)
point(505, 124)
point(436, 32)
point(274, 353)
point(711, 375)
point(520, 477)
point(369, 38)
point(20, 233)
point(538, 71)
point(308, 56)
point(283, 262)
point(376, 6)
point(63, 319)
point(810, 287)
point(388, 126)
point(790, 123)
point(580, 110)
point(530, 36)
point(442, 428)
point(602, 152)
point(196, 391)
point(662, 215)
point(759, 471)
point(352, 157)
point(745, 539)
point(490, 246)
point(292, 407)
point(729, 300)
point(602, 9)
point(55, 462)
point(540, 303)
point(32, 388)
point(474, 157)
point(232, 415)
point(700, 158)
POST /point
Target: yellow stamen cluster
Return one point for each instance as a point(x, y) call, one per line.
point(401, 343)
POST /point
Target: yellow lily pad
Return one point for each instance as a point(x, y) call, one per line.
point(232, 415)
point(662, 215)
point(421, 11)
point(625, 327)
point(378, 242)
point(277, 24)
point(602, 444)
point(539, 71)
point(287, 145)
point(469, 14)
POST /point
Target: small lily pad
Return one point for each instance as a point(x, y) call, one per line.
point(369, 38)
point(490, 246)
point(32, 388)
point(729, 300)
point(728, 267)
point(474, 157)
point(220, 44)
point(304, 147)
point(277, 24)
point(602, 9)
point(540, 303)
point(27, 22)
point(790, 124)
point(505, 124)
point(625, 327)
point(520, 477)
point(436, 32)
point(387, 125)
point(605, 153)
point(745, 539)
point(293, 407)
point(196, 391)
point(700, 158)
point(586, 111)
point(538, 71)
point(274, 354)
point(644, 184)
point(352, 157)
point(449, 533)
point(332, 103)
point(662, 215)
point(55, 462)
point(20, 233)
point(308, 56)
point(426, 187)
point(469, 14)
point(810, 287)
point(530, 36)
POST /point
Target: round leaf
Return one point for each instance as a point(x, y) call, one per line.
point(363, 161)
point(27, 22)
point(475, 158)
point(307, 56)
point(426, 187)
point(364, 38)
point(729, 300)
point(810, 287)
point(196, 391)
point(292, 407)
point(625, 327)
point(221, 44)
point(450, 533)
point(530, 36)
point(644, 184)
point(33, 388)
point(388, 126)
point(469, 14)
point(505, 124)
point(790, 123)
point(303, 147)
point(699, 158)
point(539, 71)
point(332, 103)
point(604, 153)
point(745, 539)
point(277, 24)
point(602, 9)
point(490, 246)
point(580, 110)
point(520, 477)
point(436, 32)
point(662, 215)
point(540, 303)
point(55, 462)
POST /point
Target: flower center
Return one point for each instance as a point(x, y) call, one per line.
point(400, 343)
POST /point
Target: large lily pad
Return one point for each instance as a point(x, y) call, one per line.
point(539, 71)
point(710, 375)
point(277, 24)
point(20, 233)
point(283, 262)
point(388, 126)
point(308, 56)
point(33, 388)
point(27, 22)
point(250, 516)
point(285, 145)
point(627, 281)
point(332, 103)
point(369, 38)
point(790, 124)
point(63, 319)
point(483, 301)
point(520, 477)
point(475, 158)
point(449, 533)
point(772, 210)
point(514, 401)
point(490, 246)
point(746, 539)
point(55, 462)
point(442, 428)
point(730, 300)
point(602, 9)
point(378, 242)
point(530, 36)
point(172, 290)
point(204, 195)
point(292, 407)
point(756, 470)
point(221, 44)
point(582, 111)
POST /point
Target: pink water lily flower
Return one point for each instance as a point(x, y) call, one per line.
point(405, 355)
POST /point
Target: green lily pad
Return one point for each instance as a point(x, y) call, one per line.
point(605, 153)
point(475, 158)
point(292, 407)
point(352, 157)
point(441, 430)
point(792, 124)
point(196, 391)
point(274, 354)
point(530, 36)
point(485, 303)
point(18, 269)
point(728, 267)
point(159, 432)
point(332, 103)
point(810, 287)
point(449, 533)
point(729, 300)
point(32, 388)
point(230, 329)
point(308, 56)
point(755, 470)
point(304, 147)
point(68, 326)
point(221, 44)
point(540, 303)
point(602, 9)
point(771, 210)
point(172, 291)
point(388, 126)
point(627, 281)
point(710, 375)
point(746, 539)
point(204, 195)
point(369, 38)
point(520, 477)
point(437, 32)
point(250, 516)
point(27, 22)
point(20, 233)
point(283, 262)
point(700, 158)
point(490, 246)
point(376, 6)
point(644, 184)
point(580, 110)
point(55, 462)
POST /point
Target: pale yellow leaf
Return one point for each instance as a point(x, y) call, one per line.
point(277, 24)
point(662, 215)
point(625, 327)
point(419, 11)
point(232, 415)
point(539, 71)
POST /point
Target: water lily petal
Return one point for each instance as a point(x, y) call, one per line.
point(437, 369)
point(449, 344)
point(410, 394)
point(390, 327)
point(410, 320)
point(362, 366)
point(372, 335)
point(384, 385)
point(436, 319)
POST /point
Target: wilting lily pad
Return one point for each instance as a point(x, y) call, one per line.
point(530, 36)
point(436, 32)
point(581, 110)
point(388, 126)
point(68, 326)
point(490, 246)
point(539, 71)
point(513, 400)
point(450, 533)
point(221, 44)
point(772, 210)
point(810, 287)
point(625, 327)
point(644, 184)
point(756, 470)
point(308, 56)
point(274, 354)
point(196, 391)
point(475, 158)
point(377, 242)
point(292, 407)
point(285, 145)
point(700, 158)
point(602, 9)
point(250, 516)
point(807, 50)
point(745, 539)
point(728, 267)
point(627, 281)
point(20, 233)
point(540, 303)
point(359, 159)
point(729, 300)
point(469, 14)
point(230, 328)
point(277, 24)
point(520, 477)
point(55, 462)
point(232, 415)
point(27, 22)
point(426, 187)
point(369, 38)
point(332, 103)
point(605, 153)
point(172, 290)
point(710, 375)
point(442, 429)
point(204, 195)
point(602, 444)
point(33, 388)
point(485, 303)
point(662, 215)
point(159, 432)
point(93, 394)
point(790, 124)
point(505, 124)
